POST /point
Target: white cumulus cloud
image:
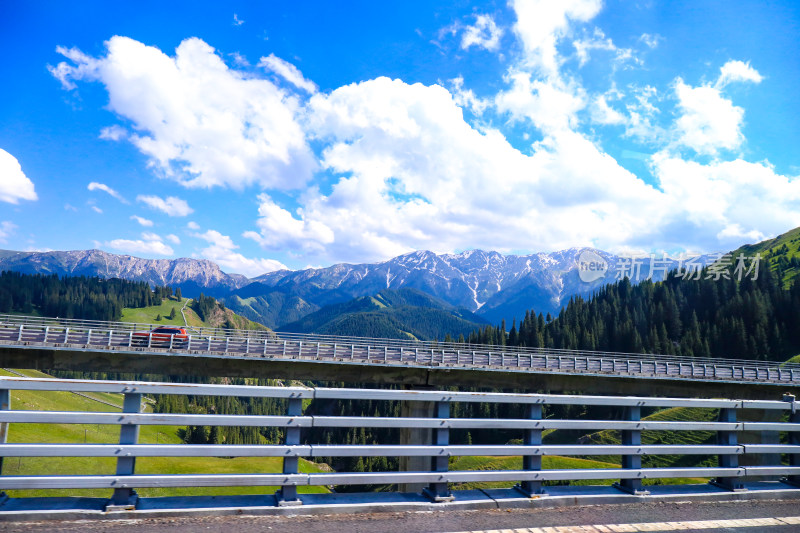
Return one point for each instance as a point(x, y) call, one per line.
point(483, 34)
point(14, 184)
point(709, 122)
point(198, 121)
point(737, 71)
point(716, 205)
point(415, 175)
point(172, 205)
point(221, 251)
point(542, 23)
point(149, 244)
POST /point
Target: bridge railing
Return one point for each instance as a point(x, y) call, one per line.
point(66, 333)
point(780, 459)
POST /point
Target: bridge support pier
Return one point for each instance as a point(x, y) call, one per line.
point(439, 492)
point(415, 436)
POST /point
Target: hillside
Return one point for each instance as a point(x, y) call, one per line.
point(215, 317)
point(77, 433)
point(400, 314)
point(677, 414)
point(707, 317)
point(781, 254)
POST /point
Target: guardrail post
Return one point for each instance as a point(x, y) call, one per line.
point(794, 439)
point(632, 437)
point(728, 438)
point(532, 437)
point(124, 498)
point(5, 405)
point(439, 491)
point(287, 494)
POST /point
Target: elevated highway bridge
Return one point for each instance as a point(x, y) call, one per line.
point(65, 344)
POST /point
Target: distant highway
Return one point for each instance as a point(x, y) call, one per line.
point(63, 334)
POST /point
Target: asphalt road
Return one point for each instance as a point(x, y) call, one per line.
point(444, 522)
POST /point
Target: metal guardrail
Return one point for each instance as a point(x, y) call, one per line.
point(729, 474)
point(57, 333)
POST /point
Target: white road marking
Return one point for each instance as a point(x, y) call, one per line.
point(653, 526)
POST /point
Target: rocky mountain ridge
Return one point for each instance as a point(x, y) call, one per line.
point(492, 285)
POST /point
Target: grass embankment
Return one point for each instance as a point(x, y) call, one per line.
point(101, 434)
point(612, 461)
point(148, 315)
point(219, 317)
point(792, 360)
point(674, 414)
point(515, 463)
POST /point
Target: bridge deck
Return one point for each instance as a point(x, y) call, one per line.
point(64, 334)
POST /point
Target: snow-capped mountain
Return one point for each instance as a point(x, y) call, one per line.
point(192, 275)
point(491, 284)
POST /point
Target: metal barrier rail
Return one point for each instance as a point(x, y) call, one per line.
point(728, 474)
point(67, 334)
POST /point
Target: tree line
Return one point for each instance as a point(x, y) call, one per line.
point(88, 298)
point(720, 318)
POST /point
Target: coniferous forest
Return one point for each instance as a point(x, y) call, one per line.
point(724, 318)
point(75, 297)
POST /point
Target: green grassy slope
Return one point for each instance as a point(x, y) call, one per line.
point(782, 254)
point(515, 463)
point(676, 414)
point(148, 315)
point(92, 433)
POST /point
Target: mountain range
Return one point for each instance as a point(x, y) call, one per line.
point(490, 285)
point(191, 275)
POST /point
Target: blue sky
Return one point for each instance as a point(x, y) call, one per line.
point(264, 135)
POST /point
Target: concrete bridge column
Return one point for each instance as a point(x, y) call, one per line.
point(415, 436)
